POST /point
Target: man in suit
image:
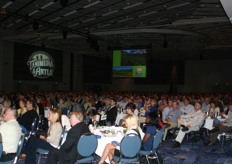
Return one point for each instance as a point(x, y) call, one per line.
point(111, 113)
point(67, 154)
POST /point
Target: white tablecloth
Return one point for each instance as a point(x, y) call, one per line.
point(107, 138)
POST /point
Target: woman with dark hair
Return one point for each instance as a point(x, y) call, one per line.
point(153, 127)
point(27, 118)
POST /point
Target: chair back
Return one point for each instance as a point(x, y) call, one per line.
point(87, 145)
point(34, 125)
point(130, 145)
point(20, 144)
point(157, 139)
point(62, 137)
point(24, 130)
point(1, 149)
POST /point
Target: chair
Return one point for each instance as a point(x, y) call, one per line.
point(224, 135)
point(33, 129)
point(42, 153)
point(1, 149)
point(129, 149)
point(156, 142)
point(86, 148)
point(20, 146)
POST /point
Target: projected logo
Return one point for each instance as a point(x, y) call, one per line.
point(41, 64)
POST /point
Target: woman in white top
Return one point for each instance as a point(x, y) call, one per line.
point(48, 143)
point(214, 110)
point(131, 123)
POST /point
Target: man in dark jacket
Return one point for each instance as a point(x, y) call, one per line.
point(67, 154)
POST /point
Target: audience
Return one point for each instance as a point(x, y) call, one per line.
point(190, 122)
point(49, 142)
point(67, 154)
point(171, 121)
point(111, 113)
point(224, 126)
point(153, 127)
point(27, 118)
point(10, 134)
point(132, 127)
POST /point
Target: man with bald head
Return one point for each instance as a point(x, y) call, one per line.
point(10, 132)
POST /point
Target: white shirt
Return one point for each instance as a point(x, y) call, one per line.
point(11, 133)
point(187, 109)
point(165, 112)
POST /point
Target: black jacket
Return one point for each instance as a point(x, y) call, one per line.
point(111, 114)
point(68, 151)
point(27, 118)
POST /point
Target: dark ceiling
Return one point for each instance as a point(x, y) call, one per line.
point(171, 29)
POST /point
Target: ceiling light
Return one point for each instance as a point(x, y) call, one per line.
point(179, 5)
point(10, 25)
point(33, 12)
point(47, 5)
point(91, 4)
point(136, 4)
point(19, 20)
point(73, 25)
point(53, 20)
point(87, 20)
point(70, 13)
point(153, 12)
point(7, 4)
point(125, 20)
point(112, 12)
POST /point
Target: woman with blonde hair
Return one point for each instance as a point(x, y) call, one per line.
point(132, 126)
point(48, 143)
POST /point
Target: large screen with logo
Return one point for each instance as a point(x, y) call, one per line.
point(129, 63)
point(34, 63)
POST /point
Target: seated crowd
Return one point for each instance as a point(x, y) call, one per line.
point(142, 114)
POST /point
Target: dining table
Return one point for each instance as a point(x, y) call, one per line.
point(107, 135)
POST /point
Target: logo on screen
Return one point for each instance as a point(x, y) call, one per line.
point(41, 64)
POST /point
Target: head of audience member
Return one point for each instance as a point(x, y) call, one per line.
point(76, 118)
point(154, 119)
point(22, 103)
point(153, 102)
point(131, 122)
point(230, 106)
point(9, 114)
point(197, 106)
point(186, 101)
point(30, 105)
point(130, 108)
point(175, 105)
point(112, 102)
point(6, 103)
point(213, 104)
point(170, 103)
point(61, 101)
point(54, 115)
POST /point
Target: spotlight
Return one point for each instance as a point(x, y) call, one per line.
point(35, 26)
point(63, 3)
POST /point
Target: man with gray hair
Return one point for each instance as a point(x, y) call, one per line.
point(10, 131)
point(67, 154)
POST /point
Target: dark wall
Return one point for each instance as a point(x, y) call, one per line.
point(22, 53)
point(97, 70)
point(163, 72)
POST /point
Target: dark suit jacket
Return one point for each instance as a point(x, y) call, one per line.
point(68, 151)
point(27, 118)
point(111, 114)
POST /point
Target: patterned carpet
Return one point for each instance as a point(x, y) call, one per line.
point(191, 153)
